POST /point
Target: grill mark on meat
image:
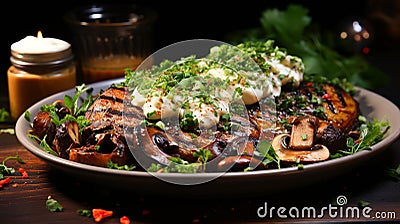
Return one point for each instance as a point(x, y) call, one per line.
point(113, 107)
point(111, 113)
point(331, 106)
point(112, 98)
point(342, 100)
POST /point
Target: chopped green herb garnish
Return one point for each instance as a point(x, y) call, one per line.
point(363, 203)
point(394, 173)
point(84, 212)
point(4, 170)
point(53, 205)
point(112, 165)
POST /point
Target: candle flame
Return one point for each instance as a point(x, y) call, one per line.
point(39, 34)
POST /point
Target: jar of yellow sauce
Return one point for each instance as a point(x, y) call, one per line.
point(39, 68)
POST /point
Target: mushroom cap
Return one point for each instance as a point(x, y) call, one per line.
point(317, 154)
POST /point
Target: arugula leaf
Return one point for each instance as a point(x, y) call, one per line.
point(72, 102)
point(43, 144)
point(370, 134)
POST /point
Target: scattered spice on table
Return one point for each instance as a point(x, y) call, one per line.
point(23, 172)
point(99, 214)
point(124, 220)
point(4, 181)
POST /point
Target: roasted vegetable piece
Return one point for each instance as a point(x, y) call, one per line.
point(42, 126)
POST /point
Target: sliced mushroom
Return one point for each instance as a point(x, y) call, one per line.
point(303, 130)
point(315, 153)
point(331, 136)
point(143, 149)
point(73, 132)
point(67, 136)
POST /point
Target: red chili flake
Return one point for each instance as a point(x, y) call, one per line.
point(124, 220)
point(23, 172)
point(4, 181)
point(326, 96)
point(99, 214)
point(309, 84)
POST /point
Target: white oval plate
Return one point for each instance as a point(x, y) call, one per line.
point(231, 183)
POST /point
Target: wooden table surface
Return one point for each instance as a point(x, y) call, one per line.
point(23, 199)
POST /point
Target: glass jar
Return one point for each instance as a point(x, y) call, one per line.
point(108, 38)
point(34, 76)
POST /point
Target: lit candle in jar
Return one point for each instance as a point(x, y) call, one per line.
point(39, 45)
point(39, 67)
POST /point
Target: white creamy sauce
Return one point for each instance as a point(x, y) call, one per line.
point(254, 87)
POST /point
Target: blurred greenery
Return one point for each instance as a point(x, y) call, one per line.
point(322, 54)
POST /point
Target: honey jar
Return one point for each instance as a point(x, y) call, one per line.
point(39, 68)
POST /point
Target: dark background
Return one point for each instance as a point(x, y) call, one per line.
point(191, 20)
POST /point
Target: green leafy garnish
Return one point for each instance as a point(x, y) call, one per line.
point(370, 134)
point(4, 170)
point(175, 164)
point(394, 173)
point(10, 131)
point(4, 115)
point(84, 212)
point(265, 151)
point(73, 104)
point(363, 203)
point(204, 155)
point(112, 165)
point(43, 144)
point(53, 205)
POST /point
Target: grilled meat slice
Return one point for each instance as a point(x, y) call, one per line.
point(336, 110)
point(109, 146)
point(340, 108)
point(113, 106)
point(331, 104)
point(104, 139)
